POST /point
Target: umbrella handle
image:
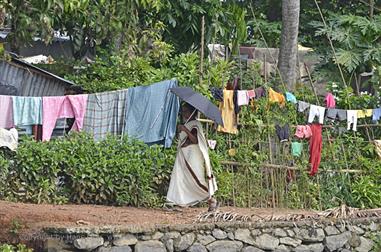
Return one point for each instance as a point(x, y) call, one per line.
point(194, 111)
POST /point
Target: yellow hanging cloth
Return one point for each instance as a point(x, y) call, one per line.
point(364, 113)
point(275, 97)
point(228, 115)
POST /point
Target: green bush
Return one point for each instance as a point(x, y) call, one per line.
point(17, 248)
point(78, 169)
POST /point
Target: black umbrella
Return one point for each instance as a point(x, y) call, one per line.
point(198, 101)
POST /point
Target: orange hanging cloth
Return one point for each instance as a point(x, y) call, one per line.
point(276, 97)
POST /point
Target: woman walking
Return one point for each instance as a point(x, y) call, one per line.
point(192, 180)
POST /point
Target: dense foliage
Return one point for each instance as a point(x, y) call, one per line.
point(113, 171)
point(139, 42)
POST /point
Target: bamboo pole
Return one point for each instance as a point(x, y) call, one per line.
point(202, 50)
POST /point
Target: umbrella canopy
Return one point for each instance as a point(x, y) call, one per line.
point(198, 101)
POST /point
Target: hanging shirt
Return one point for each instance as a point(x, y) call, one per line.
point(228, 115)
point(276, 97)
point(303, 131)
point(9, 138)
point(364, 113)
point(105, 114)
point(6, 112)
point(316, 144)
point(251, 94)
point(376, 114)
point(334, 114)
point(316, 111)
point(296, 149)
point(242, 97)
point(330, 101)
point(282, 132)
point(352, 119)
point(57, 107)
point(302, 106)
point(260, 92)
point(151, 113)
point(27, 111)
point(291, 98)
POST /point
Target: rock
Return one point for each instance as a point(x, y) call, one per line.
point(115, 249)
point(354, 240)
point(225, 246)
point(373, 227)
point(255, 232)
point(335, 242)
point(267, 230)
point(169, 245)
point(197, 247)
point(56, 245)
point(205, 239)
point(356, 230)
point(183, 242)
point(251, 249)
point(290, 233)
point(282, 248)
point(170, 235)
point(317, 247)
point(145, 238)
point(331, 230)
point(231, 236)
point(88, 243)
point(311, 235)
point(151, 246)
point(219, 234)
point(341, 228)
point(244, 235)
point(157, 236)
point(125, 240)
point(266, 242)
point(290, 241)
point(345, 250)
point(279, 232)
point(365, 246)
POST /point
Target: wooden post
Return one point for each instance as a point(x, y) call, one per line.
point(311, 82)
point(202, 49)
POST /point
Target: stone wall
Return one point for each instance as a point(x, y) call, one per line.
point(303, 236)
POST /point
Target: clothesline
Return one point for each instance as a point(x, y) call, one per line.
point(292, 126)
point(147, 113)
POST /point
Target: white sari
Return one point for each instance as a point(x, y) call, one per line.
point(192, 180)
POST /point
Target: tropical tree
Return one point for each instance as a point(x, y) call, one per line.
point(288, 52)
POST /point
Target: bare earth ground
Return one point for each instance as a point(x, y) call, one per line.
point(30, 218)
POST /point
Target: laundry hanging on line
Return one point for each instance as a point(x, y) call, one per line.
point(105, 114)
point(151, 113)
point(57, 107)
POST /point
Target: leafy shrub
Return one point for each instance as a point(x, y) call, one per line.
point(12, 248)
point(77, 169)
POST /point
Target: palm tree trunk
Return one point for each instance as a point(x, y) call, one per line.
point(287, 60)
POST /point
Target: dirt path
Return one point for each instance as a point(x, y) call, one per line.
point(30, 218)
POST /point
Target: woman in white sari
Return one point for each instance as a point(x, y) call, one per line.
point(192, 180)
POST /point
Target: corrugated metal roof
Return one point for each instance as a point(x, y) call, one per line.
point(30, 80)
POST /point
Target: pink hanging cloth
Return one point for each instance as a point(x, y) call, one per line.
point(330, 100)
point(57, 107)
point(6, 112)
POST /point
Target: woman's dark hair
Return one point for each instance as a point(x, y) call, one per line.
point(187, 106)
point(190, 108)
